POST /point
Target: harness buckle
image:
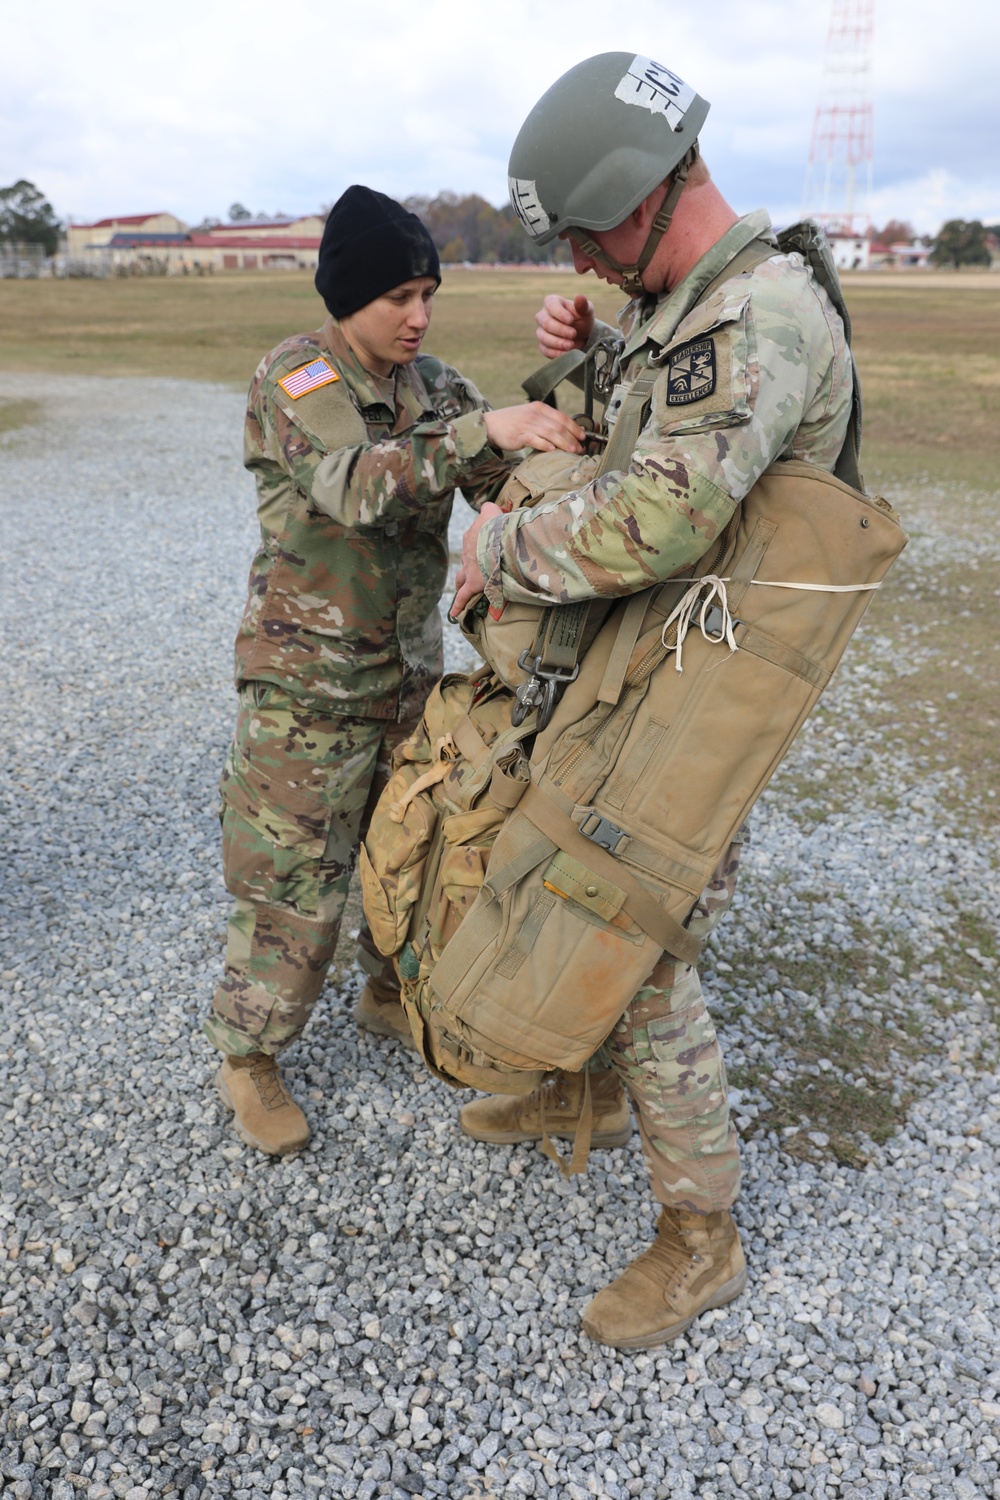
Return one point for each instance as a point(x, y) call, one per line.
point(540, 689)
point(604, 833)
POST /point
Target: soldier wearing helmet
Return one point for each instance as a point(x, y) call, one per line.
point(752, 365)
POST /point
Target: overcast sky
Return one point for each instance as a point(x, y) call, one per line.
point(188, 106)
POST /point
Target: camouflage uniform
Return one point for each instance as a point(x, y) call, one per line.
point(760, 370)
point(339, 645)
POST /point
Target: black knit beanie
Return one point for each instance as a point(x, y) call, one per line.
point(370, 244)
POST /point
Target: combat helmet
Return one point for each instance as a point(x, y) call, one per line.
point(596, 144)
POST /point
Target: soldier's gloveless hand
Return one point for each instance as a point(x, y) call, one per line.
point(533, 425)
point(564, 324)
point(469, 580)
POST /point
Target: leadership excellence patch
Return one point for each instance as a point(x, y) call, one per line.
point(691, 373)
point(308, 378)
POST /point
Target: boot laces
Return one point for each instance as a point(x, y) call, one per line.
point(669, 1258)
point(267, 1080)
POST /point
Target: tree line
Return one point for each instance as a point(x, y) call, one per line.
point(465, 227)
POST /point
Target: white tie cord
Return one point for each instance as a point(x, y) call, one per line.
point(684, 612)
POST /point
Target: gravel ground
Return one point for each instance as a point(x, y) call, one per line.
point(395, 1311)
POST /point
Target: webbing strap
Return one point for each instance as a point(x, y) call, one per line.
point(621, 652)
point(759, 643)
point(560, 631)
point(560, 627)
point(577, 1161)
point(539, 385)
point(625, 433)
point(750, 560)
point(638, 904)
point(469, 740)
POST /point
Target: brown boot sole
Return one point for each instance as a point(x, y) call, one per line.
point(725, 1293)
point(246, 1136)
point(602, 1138)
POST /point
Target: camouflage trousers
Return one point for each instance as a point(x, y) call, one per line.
point(298, 790)
point(667, 1054)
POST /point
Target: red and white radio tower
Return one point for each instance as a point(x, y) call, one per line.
point(839, 176)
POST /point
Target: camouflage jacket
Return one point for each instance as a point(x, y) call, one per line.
point(355, 481)
point(759, 371)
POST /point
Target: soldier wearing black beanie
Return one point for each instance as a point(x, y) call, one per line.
point(370, 244)
point(358, 441)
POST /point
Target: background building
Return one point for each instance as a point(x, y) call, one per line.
point(81, 238)
point(162, 245)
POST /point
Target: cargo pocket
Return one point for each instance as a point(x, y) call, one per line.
point(273, 837)
point(391, 860)
point(468, 842)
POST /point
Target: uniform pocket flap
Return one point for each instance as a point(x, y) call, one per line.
point(567, 877)
point(249, 790)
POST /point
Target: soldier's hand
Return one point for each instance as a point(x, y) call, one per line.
point(564, 325)
point(534, 425)
point(469, 581)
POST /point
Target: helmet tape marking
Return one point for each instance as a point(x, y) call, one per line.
point(525, 203)
point(650, 85)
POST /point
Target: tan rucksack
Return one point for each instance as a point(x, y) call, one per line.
point(526, 876)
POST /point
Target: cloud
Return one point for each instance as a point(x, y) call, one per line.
point(123, 108)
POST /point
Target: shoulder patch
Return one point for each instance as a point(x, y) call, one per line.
point(691, 373)
point(308, 378)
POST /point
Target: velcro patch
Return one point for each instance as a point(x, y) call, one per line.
point(308, 378)
point(691, 373)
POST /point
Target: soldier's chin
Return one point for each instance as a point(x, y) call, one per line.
point(408, 351)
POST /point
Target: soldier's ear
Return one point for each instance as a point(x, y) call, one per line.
point(645, 212)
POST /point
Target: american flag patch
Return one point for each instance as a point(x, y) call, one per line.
point(308, 378)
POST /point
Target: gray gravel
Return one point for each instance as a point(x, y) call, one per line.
point(395, 1312)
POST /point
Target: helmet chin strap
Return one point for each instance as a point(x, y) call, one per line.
point(632, 275)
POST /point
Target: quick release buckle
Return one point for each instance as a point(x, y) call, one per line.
point(604, 833)
point(540, 689)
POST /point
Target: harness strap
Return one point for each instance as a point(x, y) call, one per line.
point(469, 740)
point(560, 631)
point(752, 255)
point(556, 646)
point(629, 424)
point(631, 418)
point(540, 384)
point(621, 652)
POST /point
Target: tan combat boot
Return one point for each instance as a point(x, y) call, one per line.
point(553, 1108)
point(266, 1115)
point(378, 1010)
point(695, 1262)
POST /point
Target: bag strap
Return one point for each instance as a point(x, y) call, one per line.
point(576, 1162)
point(809, 240)
point(540, 384)
point(638, 904)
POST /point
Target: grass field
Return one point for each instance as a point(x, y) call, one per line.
point(928, 348)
